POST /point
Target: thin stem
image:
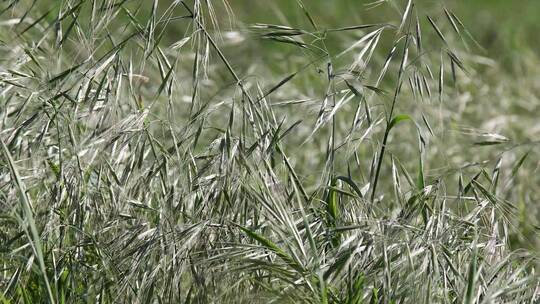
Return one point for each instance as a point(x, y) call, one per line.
point(391, 113)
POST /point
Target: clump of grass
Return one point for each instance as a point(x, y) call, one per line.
point(144, 161)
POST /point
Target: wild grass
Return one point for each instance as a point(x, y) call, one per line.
point(168, 152)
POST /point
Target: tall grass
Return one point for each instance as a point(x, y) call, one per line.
point(166, 152)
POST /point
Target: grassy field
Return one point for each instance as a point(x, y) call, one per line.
point(279, 151)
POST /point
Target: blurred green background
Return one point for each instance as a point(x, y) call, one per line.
point(505, 28)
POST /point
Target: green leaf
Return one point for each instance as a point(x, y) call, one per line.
point(352, 184)
point(331, 203)
point(519, 163)
point(357, 290)
point(397, 119)
point(471, 280)
point(274, 248)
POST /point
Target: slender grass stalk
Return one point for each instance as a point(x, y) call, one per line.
point(390, 115)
